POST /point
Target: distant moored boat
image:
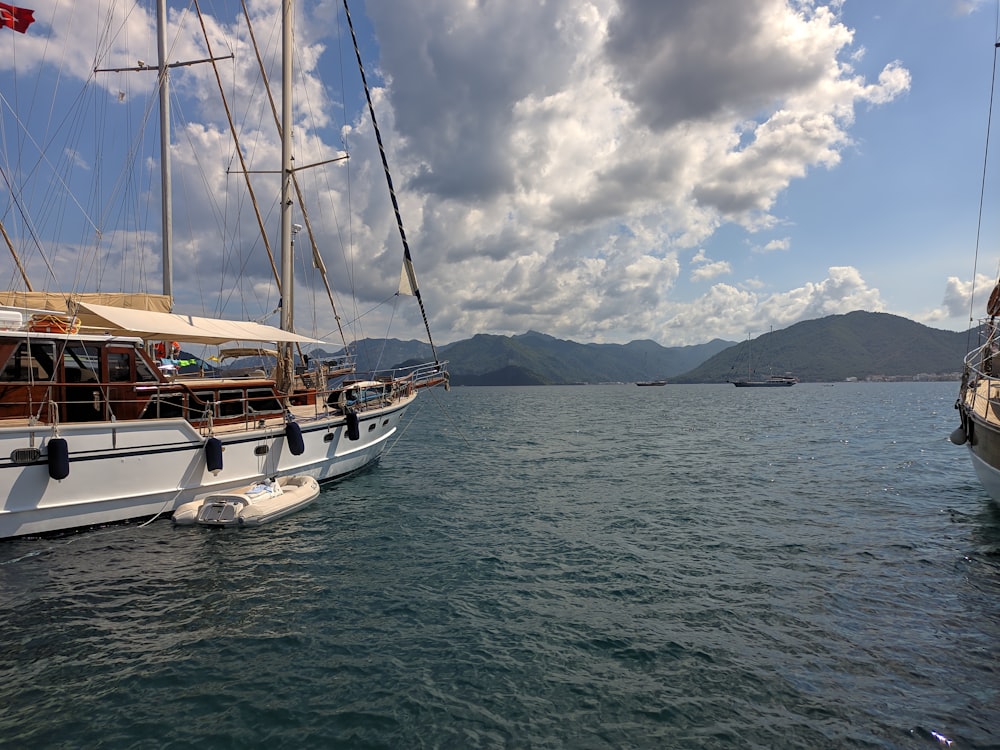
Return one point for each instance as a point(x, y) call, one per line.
point(775, 381)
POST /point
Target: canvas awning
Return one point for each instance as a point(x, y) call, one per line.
point(178, 327)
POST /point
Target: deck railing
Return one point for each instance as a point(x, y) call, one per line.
point(232, 403)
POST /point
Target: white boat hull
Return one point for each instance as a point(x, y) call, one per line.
point(979, 429)
point(98, 426)
point(133, 469)
point(988, 476)
point(251, 506)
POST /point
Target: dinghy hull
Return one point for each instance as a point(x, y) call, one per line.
point(255, 505)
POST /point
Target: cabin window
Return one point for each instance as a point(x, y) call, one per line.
point(32, 361)
point(262, 401)
point(202, 405)
point(230, 404)
point(119, 367)
point(165, 406)
point(81, 365)
point(142, 372)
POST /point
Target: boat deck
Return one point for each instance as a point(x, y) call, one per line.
point(983, 399)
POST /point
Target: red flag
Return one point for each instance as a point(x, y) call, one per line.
point(18, 19)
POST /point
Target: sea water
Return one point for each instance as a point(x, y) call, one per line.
point(548, 567)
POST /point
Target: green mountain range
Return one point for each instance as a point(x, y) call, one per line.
point(537, 359)
point(859, 345)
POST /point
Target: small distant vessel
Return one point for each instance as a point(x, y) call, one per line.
point(775, 381)
point(652, 382)
point(251, 506)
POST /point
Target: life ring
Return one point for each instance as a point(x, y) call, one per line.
point(52, 324)
point(993, 306)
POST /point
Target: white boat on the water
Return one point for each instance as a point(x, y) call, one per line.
point(774, 381)
point(978, 401)
point(97, 424)
point(250, 506)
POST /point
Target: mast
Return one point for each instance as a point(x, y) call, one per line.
point(286, 281)
point(166, 190)
point(166, 207)
point(286, 166)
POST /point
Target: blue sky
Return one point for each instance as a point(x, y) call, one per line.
point(902, 206)
point(598, 170)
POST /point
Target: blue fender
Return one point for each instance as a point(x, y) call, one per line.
point(58, 455)
point(293, 434)
point(353, 426)
point(213, 454)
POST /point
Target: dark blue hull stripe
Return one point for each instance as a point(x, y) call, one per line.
point(103, 454)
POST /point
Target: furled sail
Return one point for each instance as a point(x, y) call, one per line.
point(408, 279)
point(62, 302)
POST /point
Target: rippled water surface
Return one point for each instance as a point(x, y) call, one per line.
point(580, 567)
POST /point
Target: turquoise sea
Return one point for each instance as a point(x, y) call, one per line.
point(550, 567)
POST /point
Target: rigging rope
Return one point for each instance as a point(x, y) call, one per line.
point(388, 178)
point(982, 188)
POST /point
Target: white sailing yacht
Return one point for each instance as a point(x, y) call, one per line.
point(96, 428)
point(773, 381)
point(978, 402)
